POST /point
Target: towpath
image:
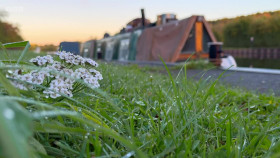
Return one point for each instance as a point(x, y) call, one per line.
point(254, 81)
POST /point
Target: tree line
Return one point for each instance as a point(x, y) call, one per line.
point(8, 32)
point(256, 30)
point(11, 33)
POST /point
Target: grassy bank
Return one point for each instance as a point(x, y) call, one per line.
point(191, 64)
point(14, 55)
point(138, 113)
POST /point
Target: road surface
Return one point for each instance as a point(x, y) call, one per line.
point(258, 82)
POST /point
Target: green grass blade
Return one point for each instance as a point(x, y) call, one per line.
point(7, 56)
point(23, 52)
point(16, 44)
point(15, 130)
point(60, 129)
point(228, 136)
point(8, 86)
point(24, 44)
point(170, 76)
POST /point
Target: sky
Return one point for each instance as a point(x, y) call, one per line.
point(53, 21)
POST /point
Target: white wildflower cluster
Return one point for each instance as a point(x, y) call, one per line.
point(59, 85)
point(38, 77)
point(97, 74)
point(75, 59)
point(85, 75)
point(59, 77)
point(42, 60)
point(34, 77)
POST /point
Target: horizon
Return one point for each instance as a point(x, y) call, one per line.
point(52, 22)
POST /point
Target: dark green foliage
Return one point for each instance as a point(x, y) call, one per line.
point(236, 32)
point(9, 32)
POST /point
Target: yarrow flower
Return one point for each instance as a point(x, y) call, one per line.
point(97, 74)
point(38, 77)
point(59, 86)
point(18, 85)
point(60, 77)
point(75, 59)
point(39, 61)
point(91, 62)
point(16, 77)
point(84, 74)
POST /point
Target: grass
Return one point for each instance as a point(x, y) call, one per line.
point(139, 113)
point(14, 55)
point(191, 64)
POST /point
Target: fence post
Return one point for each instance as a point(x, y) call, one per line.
point(275, 53)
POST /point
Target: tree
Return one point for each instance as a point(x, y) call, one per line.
point(236, 32)
point(8, 32)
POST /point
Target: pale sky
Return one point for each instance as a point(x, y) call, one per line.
point(53, 21)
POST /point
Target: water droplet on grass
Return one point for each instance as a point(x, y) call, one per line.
point(9, 114)
point(128, 155)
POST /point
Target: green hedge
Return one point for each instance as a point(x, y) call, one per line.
point(236, 32)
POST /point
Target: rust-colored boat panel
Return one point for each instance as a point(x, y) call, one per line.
point(198, 37)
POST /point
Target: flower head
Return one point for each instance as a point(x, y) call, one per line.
point(42, 60)
point(58, 76)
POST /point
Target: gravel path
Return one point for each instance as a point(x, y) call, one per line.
point(259, 82)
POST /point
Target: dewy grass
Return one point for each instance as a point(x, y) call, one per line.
point(138, 113)
point(190, 64)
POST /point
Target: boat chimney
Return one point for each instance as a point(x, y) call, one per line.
point(143, 17)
